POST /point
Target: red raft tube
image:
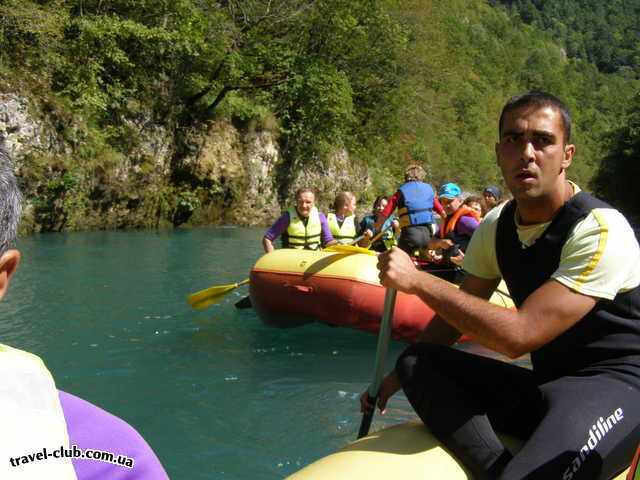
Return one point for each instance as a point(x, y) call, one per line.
point(291, 287)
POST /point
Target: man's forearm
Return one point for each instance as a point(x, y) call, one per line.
point(487, 324)
point(440, 332)
point(546, 313)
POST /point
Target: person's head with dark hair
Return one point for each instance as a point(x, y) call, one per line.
point(10, 211)
point(491, 196)
point(537, 100)
point(379, 203)
point(533, 154)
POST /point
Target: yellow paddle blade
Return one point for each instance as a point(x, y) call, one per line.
point(211, 295)
point(348, 249)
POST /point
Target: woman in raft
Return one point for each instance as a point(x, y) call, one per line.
point(390, 236)
point(343, 222)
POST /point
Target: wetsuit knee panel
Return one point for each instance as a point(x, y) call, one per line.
point(415, 361)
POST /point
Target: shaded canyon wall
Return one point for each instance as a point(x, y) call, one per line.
point(216, 173)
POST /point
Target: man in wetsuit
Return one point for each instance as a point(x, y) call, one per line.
point(571, 264)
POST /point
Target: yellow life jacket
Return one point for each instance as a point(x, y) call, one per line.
point(303, 236)
point(32, 419)
point(345, 233)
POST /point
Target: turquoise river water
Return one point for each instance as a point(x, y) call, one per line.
point(216, 393)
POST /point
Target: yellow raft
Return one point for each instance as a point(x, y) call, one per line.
point(291, 287)
point(407, 450)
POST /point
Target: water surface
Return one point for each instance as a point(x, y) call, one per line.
point(217, 394)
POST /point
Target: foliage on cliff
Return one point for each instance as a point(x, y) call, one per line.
point(617, 178)
point(393, 82)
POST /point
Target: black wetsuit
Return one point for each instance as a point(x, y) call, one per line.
point(578, 409)
point(414, 237)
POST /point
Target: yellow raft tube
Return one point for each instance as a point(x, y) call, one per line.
point(407, 451)
point(289, 287)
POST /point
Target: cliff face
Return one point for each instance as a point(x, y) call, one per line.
point(213, 174)
point(237, 170)
point(19, 131)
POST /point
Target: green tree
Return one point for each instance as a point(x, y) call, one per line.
point(620, 168)
point(31, 34)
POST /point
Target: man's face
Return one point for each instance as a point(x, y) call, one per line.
point(450, 205)
point(304, 203)
point(531, 152)
point(489, 199)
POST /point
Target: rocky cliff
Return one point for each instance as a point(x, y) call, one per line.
point(211, 174)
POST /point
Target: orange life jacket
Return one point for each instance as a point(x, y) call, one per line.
point(450, 223)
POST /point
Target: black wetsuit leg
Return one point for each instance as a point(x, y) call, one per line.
point(455, 392)
point(463, 397)
point(589, 430)
point(414, 237)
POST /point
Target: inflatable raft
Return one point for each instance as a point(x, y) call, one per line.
point(292, 287)
point(407, 450)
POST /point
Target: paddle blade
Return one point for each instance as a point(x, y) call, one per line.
point(244, 303)
point(365, 424)
point(211, 295)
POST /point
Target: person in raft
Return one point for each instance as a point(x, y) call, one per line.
point(458, 227)
point(571, 264)
point(415, 201)
point(461, 220)
point(491, 197)
point(343, 223)
point(475, 203)
point(35, 415)
point(390, 236)
point(302, 226)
